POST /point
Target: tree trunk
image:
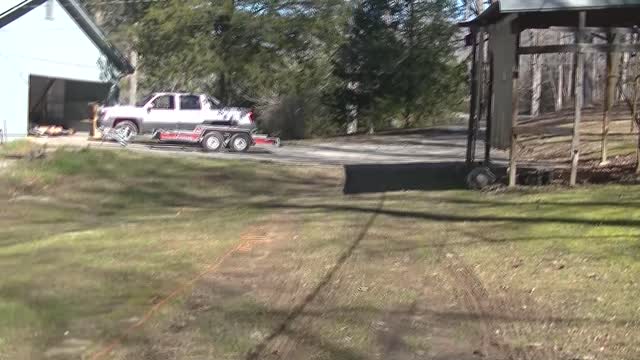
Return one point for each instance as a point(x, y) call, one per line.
point(570, 75)
point(588, 76)
point(613, 65)
point(410, 90)
point(560, 87)
point(133, 78)
point(536, 76)
point(625, 70)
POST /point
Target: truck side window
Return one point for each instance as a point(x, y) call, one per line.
point(189, 102)
point(164, 102)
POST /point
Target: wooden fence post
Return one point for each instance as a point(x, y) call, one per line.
point(579, 81)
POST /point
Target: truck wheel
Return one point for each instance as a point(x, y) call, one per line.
point(240, 142)
point(128, 128)
point(213, 141)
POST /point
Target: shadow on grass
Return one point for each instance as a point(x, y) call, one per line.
point(298, 310)
point(419, 176)
point(443, 217)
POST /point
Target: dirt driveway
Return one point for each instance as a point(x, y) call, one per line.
point(425, 146)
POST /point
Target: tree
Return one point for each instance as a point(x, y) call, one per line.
point(366, 62)
point(396, 65)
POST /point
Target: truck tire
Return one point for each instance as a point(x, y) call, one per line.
point(212, 141)
point(129, 127)
point(240, 143)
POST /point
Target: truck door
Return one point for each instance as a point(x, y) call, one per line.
point(190, 113)
point(161, 114)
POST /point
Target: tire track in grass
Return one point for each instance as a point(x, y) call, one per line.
point(284, 328)
point(488, 310)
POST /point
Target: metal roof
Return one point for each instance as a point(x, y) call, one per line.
point(82, 18)
point(511, 6)
point(541, 13)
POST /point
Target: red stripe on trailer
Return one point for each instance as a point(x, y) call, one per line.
point(264, 140)
point(179, 136)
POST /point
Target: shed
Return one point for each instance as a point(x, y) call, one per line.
point(54, 61)
point(502, 24)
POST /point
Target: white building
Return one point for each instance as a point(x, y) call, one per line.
point(54, 61)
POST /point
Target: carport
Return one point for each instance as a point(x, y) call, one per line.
point(492, 87)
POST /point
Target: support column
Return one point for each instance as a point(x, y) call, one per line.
point(513, 151)
point(473, 106)
point(476, 94)
point(481, 107)
point(579, 81)
point(487, 132)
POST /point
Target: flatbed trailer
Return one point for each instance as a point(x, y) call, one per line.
point(211, 137)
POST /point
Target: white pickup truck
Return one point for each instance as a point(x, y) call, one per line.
point(172, 111)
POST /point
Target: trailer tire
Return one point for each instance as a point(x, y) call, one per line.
point(212, 141)
point(240, 143)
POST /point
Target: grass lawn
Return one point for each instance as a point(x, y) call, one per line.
point(92, 241)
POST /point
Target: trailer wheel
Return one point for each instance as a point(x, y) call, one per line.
point(212, 141)
point(240, 142)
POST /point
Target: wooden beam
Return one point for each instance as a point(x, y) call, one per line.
point(593, 29)
point(572, 48)
point(579, 81)
point(481, 93)
point(523, 130)
point(487, 131)
point(513, 151)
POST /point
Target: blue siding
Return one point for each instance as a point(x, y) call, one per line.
point(33, 45)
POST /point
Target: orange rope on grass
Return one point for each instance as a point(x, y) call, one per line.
point(244, 246)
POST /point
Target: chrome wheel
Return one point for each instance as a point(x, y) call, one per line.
point(213, 142)
point(240, 144)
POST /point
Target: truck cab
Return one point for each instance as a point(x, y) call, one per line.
point(180, 111)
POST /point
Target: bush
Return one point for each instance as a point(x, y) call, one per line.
point(284, 117)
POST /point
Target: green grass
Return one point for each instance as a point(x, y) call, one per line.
point(90, 239)
point(18, 149)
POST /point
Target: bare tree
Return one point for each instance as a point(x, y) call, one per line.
point(613, 65)
point(536, 76)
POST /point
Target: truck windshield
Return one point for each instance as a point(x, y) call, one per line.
point(144, 100)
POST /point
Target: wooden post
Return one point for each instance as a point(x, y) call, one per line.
point(613, 60)
point(473, 106)
point(579, 82)
point(513, 151)
point(636, 83)
point(476, 94)
point(634, 119)
point(480, 107)
point(487, 132)
point(94, 133)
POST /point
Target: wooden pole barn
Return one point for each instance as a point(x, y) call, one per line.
point(504, 21)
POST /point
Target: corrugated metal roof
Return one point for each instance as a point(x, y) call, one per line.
point(532, 7)
point(511, 6)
